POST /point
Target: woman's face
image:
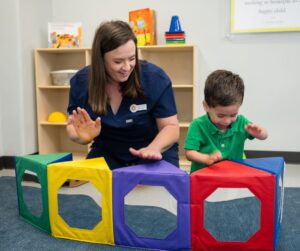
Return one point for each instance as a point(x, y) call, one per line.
point(120, 62)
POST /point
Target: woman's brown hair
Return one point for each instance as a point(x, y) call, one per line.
point(109, 36)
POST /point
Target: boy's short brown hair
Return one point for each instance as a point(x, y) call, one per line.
point(223, 88)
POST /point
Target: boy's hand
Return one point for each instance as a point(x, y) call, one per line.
point(213, 158)
point(256, 131)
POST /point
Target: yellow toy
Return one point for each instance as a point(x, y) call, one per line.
point(57, 117)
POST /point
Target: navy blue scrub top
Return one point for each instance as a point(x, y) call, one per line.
point(134, 124)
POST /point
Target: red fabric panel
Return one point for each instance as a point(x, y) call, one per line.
point(228, 174)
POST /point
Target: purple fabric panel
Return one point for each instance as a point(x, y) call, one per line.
point(118, 204)
point(161, 167)
point(160, 173)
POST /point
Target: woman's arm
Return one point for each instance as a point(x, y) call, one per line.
point(167, 136)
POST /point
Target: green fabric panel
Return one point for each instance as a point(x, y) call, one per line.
point(46, 159)
point(37, 164)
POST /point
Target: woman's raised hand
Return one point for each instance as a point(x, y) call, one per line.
point(86, 128)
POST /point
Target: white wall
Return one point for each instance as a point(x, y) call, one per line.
point(11, 89)
point(23, 26)
point(268, 63)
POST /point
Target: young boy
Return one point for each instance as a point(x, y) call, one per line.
point(220, 133)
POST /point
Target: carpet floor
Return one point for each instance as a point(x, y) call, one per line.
point(15, 234)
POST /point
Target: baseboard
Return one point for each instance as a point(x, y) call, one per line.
point(289, 157)
point(7, 162)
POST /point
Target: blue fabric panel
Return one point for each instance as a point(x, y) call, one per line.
point(274, 165)
point(67, 157)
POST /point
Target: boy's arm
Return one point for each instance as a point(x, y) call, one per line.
point(256, 131)
point(207, 159)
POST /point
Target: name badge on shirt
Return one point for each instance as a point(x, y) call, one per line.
point(135, 108)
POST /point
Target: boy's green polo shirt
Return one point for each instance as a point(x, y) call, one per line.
point(203, 136)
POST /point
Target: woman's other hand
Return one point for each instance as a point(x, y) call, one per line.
point(146, 153)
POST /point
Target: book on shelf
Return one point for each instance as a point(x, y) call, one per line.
point(143, 24)
point(64, 35)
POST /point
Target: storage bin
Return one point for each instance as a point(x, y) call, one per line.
point(62, 77)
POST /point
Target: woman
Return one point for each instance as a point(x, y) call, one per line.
point(126, 107)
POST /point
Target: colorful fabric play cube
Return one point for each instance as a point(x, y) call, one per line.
point(99, 175)
point(37, 165)
point(158, 174)
point(262, 177)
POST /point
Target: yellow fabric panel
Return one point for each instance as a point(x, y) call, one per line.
point(98, 173)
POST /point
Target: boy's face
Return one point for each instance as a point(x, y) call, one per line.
point(222, 116)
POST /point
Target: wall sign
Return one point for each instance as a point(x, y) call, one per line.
point(264, 16)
